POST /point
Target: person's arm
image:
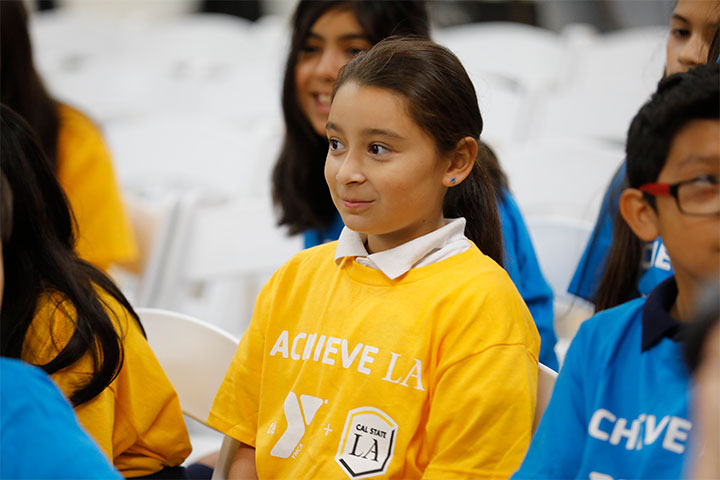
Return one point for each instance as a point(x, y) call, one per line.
point(243, 464)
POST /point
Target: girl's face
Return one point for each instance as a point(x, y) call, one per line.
point(692, 27)
point(334, 39)
point(693, 242)
point(385, 175)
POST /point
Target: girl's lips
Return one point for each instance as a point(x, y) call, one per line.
point(355, 204)
point(322, 103)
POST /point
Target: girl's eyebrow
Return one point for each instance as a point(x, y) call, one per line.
point(379, 131)
point(332, 126)
point(680, 17)
point(699, 159)
point(343, 38)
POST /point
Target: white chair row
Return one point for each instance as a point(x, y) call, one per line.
point(531, 82)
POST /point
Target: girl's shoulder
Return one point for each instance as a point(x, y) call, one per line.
point(55, 321)
point(609, 330)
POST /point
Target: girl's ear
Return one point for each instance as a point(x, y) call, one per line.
point(640, 216)
point(461, 160)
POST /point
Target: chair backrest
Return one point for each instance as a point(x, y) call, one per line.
point(224, 251)
point(195, 356)
point(546, 383)
point(559, 242)
point(153, 222)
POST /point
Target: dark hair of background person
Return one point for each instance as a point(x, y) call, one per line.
point(21, 87)
point(679, 99)
point(299, 188)
point(441, 99)
point(714, 50)
point(39, 260)
point(705, 318)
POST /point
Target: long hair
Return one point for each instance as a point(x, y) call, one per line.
point(20, 85)
point(37, 242)
point(440, 98)
point(299, 188)
point(679, 99)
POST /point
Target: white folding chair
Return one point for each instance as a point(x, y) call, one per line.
point(559, 243)
point(546, 383)
point(224, 252)
point(153, 223)
point(195, 356)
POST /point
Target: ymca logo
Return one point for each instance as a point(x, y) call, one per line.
point(294, 411)
point(367, 443)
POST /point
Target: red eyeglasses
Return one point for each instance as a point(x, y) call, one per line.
point(698, 196)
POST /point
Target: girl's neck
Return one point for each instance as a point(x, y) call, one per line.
point(380, 243)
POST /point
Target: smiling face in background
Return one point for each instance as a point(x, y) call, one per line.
point(692, 27)
point(334, 39)
point(385, 175)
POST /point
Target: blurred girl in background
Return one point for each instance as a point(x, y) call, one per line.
point(72, 145)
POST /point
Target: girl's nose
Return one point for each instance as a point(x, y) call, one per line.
point(694, 51)
point(350, 170)
point(331, 61)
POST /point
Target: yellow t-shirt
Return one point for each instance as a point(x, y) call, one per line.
point(85, 172)
point(136, 420)
point(346, 373)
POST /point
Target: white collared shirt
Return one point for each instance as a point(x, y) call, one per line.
point(433, 247)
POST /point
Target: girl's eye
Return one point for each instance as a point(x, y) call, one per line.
point(376, 149)
point(355, 51)
point(335, 144)
point(680, 32)
point(309, 49)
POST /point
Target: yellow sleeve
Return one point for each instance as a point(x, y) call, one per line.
point(492, 390)
point(85, 172)
point(235, 408)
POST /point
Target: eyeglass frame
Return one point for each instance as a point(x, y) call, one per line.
point(656, 189)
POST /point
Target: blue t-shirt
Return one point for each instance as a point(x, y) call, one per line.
point(656, 264)
point(619, 409)
point(520, 263)
point(40, 436)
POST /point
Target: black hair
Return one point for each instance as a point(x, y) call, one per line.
point(441, 99)
point(299, 188)
point(40, 261)
point(679, 99)
point(20, 85)
point(714, 49)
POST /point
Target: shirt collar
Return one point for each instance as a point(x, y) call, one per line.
point(399, 260)
point(656, 320)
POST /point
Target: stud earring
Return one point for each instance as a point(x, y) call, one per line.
point(452, 180)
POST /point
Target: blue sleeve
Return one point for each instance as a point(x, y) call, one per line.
point(522, 265)
point(557, 447)
point(592, 263)
point(318, 236)
point(41, 437)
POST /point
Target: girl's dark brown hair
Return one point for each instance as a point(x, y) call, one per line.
point(299, 188)
point(679, 99)
point(20, 85)
point(441, 99)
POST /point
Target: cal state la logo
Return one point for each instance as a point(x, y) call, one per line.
point(367, 443)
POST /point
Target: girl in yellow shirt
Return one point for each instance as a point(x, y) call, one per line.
point(403, 350)
point(65, 316)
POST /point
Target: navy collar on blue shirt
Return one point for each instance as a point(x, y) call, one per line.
point(656, 320)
